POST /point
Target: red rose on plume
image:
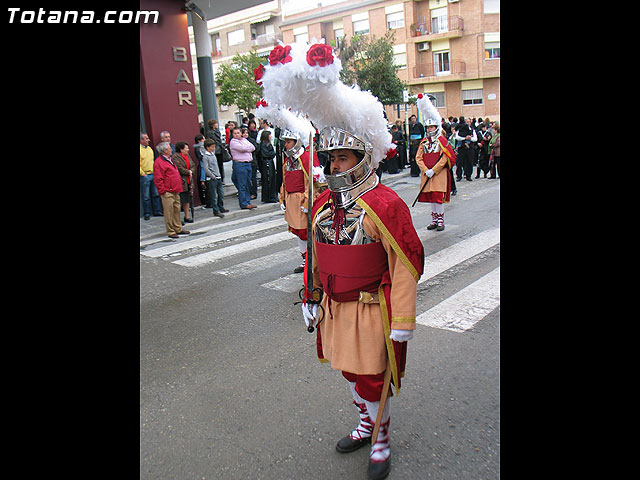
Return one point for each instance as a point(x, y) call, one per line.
point(258, 73)
point(280, 55)
point(320, 54)
point(420, 95)
point(390, 153)
point(261, 102)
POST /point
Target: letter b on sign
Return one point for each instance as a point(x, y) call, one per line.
point(179, 54)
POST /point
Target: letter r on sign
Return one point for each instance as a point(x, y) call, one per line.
point(184, 97)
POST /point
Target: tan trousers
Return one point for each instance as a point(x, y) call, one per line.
point(171, 207)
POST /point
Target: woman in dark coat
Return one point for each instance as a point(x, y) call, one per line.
point(267, 154)
point(484, 137)
point(186, 167)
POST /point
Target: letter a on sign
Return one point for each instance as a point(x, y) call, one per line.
point(182, 77)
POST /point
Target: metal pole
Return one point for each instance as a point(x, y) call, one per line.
point(205, 69)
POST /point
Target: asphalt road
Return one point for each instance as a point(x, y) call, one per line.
point(231, 388)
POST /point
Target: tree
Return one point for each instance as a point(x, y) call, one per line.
point(237, 84)
point(368, 62)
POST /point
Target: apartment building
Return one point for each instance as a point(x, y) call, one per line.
point(448, 48)
point(238, 32)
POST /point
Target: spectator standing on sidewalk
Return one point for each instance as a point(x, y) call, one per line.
point(186, 167)
point(484, 137)
point(198, 148)
point(267, 154)
point(241, 153)
point(148, 189)
point(465, 140)
point(165, 136)
point(494, 146)
point(169, 184)
point(214, 134)
point(416, 134)
point(213, 179)
point(253, 181)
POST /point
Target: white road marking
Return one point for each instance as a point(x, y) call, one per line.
point(458, 252)
point(291, 283)
point(215, 226)
point(261, 263)
point(462, 310)
point(211, 239)
point(215, 255)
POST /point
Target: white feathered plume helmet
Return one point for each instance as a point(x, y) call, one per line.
point(430, 113)
point(306, 78)
point(291, 123)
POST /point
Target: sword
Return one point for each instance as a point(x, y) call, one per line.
point(311, 295)
point(425, 184)
point(383, 401)
point(309, 259)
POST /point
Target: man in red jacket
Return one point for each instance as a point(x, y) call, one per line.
point(169, 185)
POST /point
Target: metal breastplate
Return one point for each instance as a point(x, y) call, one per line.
point(431, 146)
point(292, 164)
point(351, 233)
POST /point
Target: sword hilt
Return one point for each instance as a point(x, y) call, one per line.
point(315, 298)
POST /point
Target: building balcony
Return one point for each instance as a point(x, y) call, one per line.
point(266, 39)
point(455, 70)
point(491, 67)
point(441, 27)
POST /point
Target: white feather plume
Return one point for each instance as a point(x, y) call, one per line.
point(319, 93)
point(428, 109)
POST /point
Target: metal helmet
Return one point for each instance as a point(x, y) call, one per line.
point(335, 138)
point(297, 149)
point(432, 122)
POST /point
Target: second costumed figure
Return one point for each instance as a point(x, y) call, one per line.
point(435, 158)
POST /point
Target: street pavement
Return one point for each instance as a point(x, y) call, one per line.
point(230, 385)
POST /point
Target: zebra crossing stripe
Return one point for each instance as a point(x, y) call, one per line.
point(260, 263)
point(216, 225)
point(462, 310)
point(290, 284)
point(211, 239)
point(215, 255)
point(458, 252)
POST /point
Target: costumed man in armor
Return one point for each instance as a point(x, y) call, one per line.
point(367, 257)
point(435, 157)
point(295, 130)
point(295, 188)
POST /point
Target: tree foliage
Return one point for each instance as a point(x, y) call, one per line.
point(237, 84)
point(368, 61)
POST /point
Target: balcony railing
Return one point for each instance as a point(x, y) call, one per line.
point(427, 69)
point(438, 25)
